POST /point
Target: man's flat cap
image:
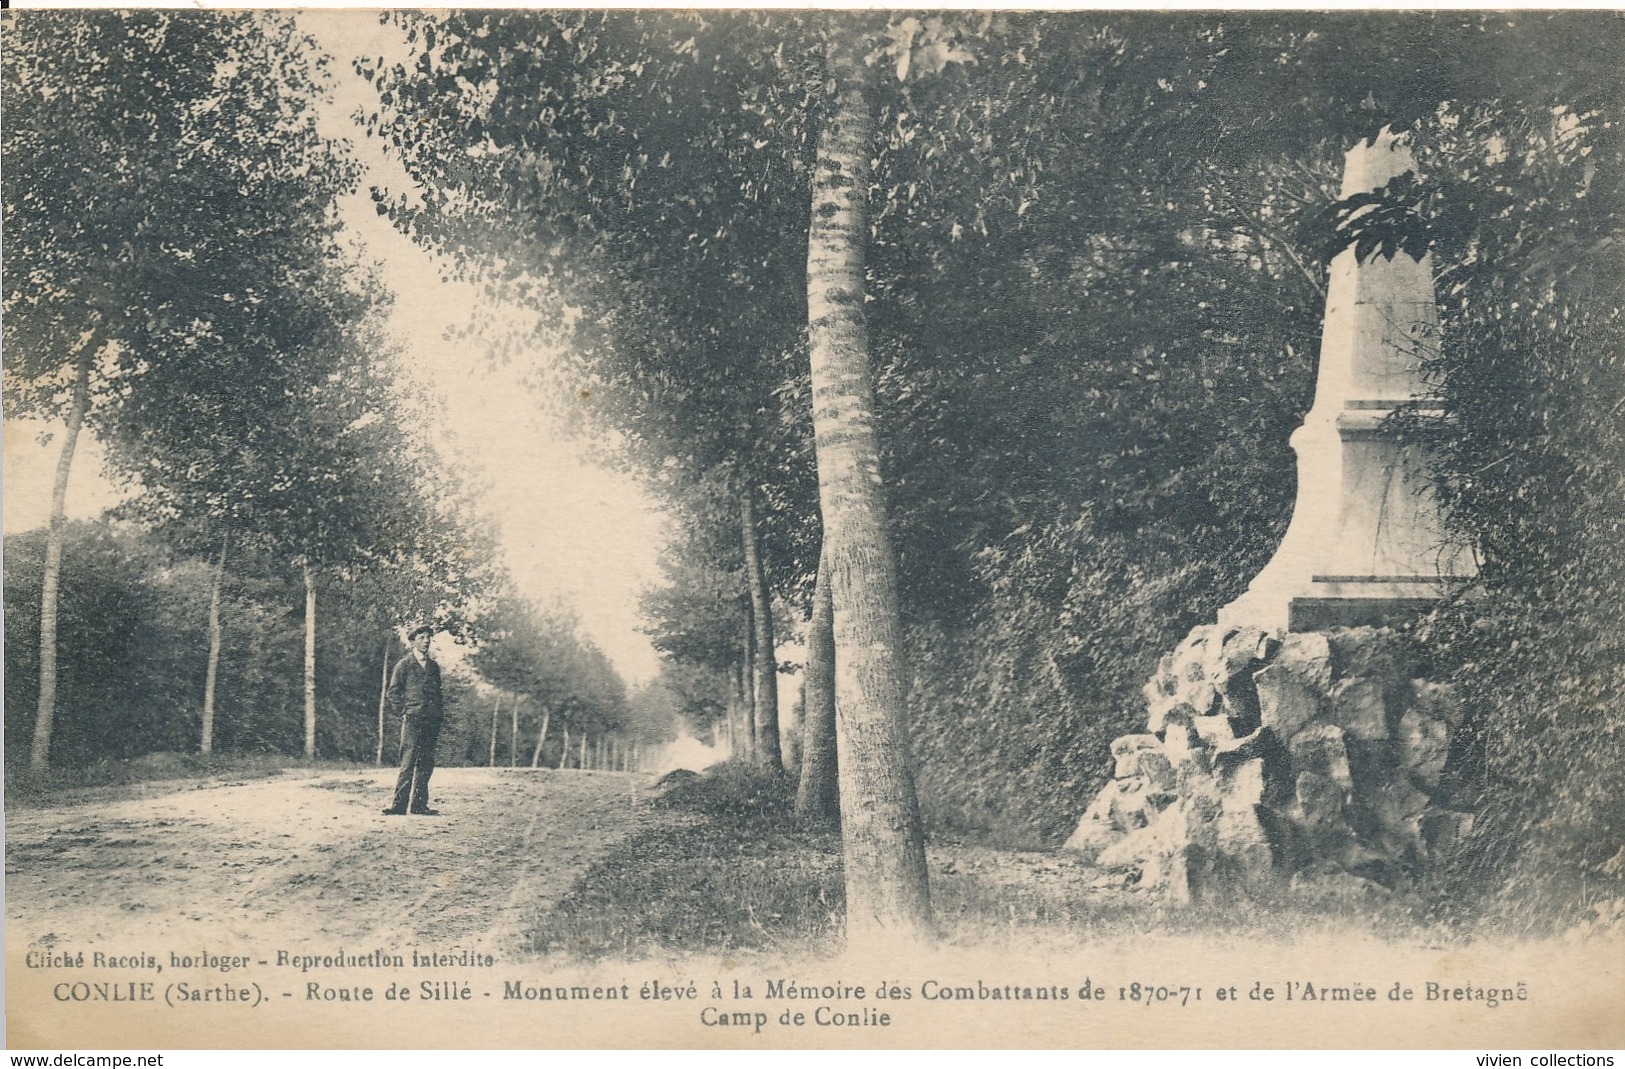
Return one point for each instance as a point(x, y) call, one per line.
point(420, 629)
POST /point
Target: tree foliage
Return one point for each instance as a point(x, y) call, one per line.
point(159, 226)
point(137, 605)
point(176, 282)
point(529, 653)
point(169, 192)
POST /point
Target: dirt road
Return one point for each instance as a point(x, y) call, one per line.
point(158, 917)
point(309, 858)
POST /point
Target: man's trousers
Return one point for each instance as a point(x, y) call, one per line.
point(418, 738)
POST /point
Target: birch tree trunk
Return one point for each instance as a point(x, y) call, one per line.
point(491, 762)
point(310, 661)
point(383, 698)
point(564, 754)
point(745, 728)
point(887, 893)
point(818, 799)
point(39, 755)
point(513, 736)
point(747, 678)
point(211, 675)
point(768, 754)
point(581, 758)
point(541, 740)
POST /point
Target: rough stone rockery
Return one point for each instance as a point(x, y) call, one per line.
point(1271, 757)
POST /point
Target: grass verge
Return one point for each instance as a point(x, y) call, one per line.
point(25, 788)
point(730, 872)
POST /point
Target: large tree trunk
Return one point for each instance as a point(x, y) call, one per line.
point(744, 727)
point(818, 799)
point(383, 697)
point(887, 894)
point(211, 675)
point(39, 756)
point(310, 661)
point(746, 683)
point(541, 740)
point(768, 754)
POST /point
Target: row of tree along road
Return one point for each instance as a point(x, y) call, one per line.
point(966, 347)
point(180, 285)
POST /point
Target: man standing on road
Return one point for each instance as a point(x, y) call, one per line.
point(414, 695)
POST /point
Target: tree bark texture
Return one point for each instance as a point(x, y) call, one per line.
point(491, 761)
point(768, 753)
point(310, 661)
point(383, 697)
point(818, 799)
point(39, 756)
point(541, 739)
point(513, 736)
point(887, 893)
point(745, 728)
point(211, 674)
point(747, 680)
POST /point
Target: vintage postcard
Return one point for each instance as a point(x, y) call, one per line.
point(806, 528)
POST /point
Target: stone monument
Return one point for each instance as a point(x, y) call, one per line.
point(1290, 741)
point(1366, 541)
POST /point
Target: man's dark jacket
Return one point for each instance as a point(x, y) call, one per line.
point(414, 690)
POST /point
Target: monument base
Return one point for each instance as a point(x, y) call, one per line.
point(1312, 760)
point(1323, 614)
point(1363, 600)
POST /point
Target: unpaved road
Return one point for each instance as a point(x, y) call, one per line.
point(309, 858)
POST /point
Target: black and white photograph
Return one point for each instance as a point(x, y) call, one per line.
point(804, 528)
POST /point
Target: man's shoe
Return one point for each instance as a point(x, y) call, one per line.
point(425, 812)
point(393, 812)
